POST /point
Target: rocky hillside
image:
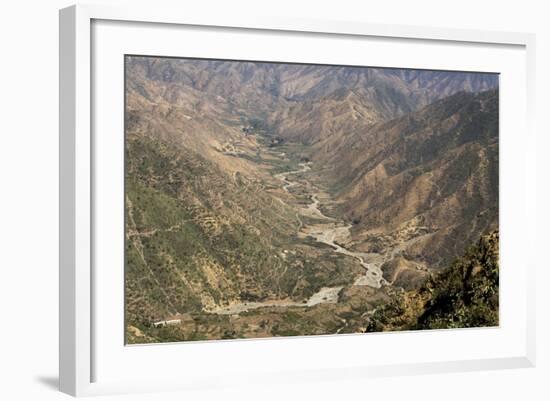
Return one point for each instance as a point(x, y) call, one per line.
point(464, 294)
point(433, 172)
point(203, 227)
point(428, 180)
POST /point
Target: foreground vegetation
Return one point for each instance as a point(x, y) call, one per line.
point(466, 294)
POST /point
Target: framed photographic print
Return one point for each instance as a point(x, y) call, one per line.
point(277, 200)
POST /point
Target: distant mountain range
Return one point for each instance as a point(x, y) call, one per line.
point(256, 87)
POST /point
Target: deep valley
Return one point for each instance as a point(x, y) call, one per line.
point(268, 199)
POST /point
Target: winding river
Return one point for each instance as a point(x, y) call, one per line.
point(328, 231)
point(336, 230)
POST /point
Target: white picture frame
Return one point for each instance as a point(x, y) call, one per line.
point(79, 345)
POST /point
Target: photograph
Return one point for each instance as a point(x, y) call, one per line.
point(270, 199)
